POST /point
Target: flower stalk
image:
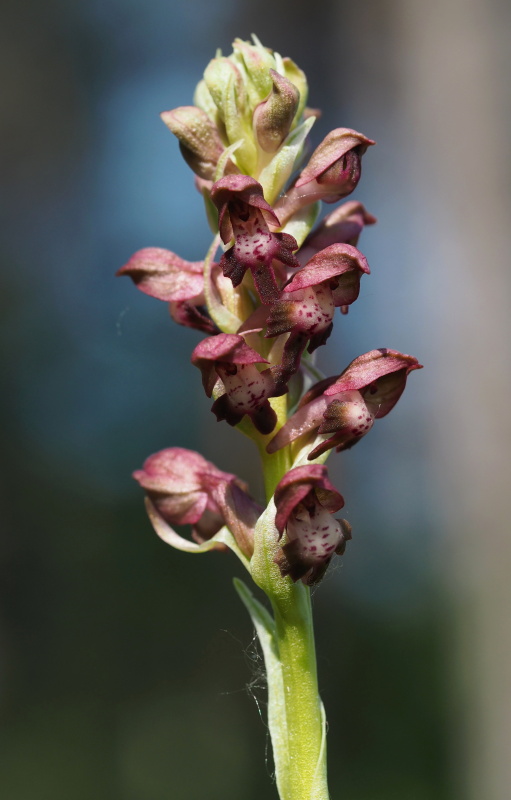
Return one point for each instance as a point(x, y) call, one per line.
point(265, 297)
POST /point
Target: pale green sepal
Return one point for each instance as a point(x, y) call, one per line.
point(265, 571)
point(222, 161)
point(237, 127)
point(221, 316)
point(218, 75)
point(300, 452)
point(276, 174)
point(256, 62)
point(232, 113)
point(277, 722)
point(279, 64)
point(301, 223)
point(211, 210)
point(202, 99)
point(297, 76)
point(170, 536)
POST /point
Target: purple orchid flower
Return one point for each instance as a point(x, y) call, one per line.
point(184, 489)
point(245, 216)
point(162, 274)
point(346, 406)
point(227, 357)
point(330, 279)
point(332, 173)
point(305, 501)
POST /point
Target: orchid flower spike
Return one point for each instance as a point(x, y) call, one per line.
point(226, 358)
point(270, 297)
point(347, 406)
point(184, 489)
point(244, 217)
point(305, 501)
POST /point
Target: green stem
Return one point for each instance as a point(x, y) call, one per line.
point(295, 712)
point(312, 369)
point(277, 464)
point(297, 716)
point(306, 768)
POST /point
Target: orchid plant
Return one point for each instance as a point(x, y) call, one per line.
point(265, 298)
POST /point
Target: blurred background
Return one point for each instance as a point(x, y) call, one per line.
point(128, 671)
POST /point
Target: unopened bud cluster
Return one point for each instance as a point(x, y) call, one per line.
point(266, 302)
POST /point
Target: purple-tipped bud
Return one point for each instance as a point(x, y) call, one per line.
point(226, 357)
point(244, 216)
point(330, 279)
point(183, 488)
point(199, 140)
point(347, 406)
point(305, 501)
point(274, 116)
point(162, 274)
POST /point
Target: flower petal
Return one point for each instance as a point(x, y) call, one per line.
point(222, 539)
point(296, 484)
point(381, 377)
point(307, 419)
point(334, 146)
point(162, 274)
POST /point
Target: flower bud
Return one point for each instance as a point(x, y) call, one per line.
point(199, 140)
point(227, 88)
point(274, 116)
point(256, 62)
point(221, 76)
